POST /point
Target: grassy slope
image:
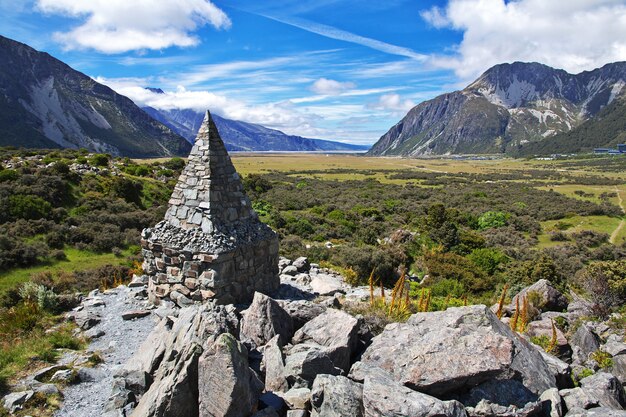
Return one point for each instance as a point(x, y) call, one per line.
point(77, 260)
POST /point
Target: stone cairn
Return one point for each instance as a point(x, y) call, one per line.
point(211, 244)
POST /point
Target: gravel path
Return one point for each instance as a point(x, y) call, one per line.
point(120, 341)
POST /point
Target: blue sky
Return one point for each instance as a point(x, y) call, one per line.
point(335, 69)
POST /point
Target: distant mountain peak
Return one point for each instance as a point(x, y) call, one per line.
point(155, 90)
point(244, 136)
point(508, 106)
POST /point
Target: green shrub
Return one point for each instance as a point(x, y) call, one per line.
point(488, 259)
point(29, 207)
point(100, 160)
point(493, 220)
point(45, 298)
point(542, 340)
point(7, 175)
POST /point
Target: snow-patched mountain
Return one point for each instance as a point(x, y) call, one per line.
point(505, 109)
point(45, 103)
point(243, 136)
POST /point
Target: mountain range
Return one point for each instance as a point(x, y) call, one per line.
point(45, 103)
point(243, 136)
point(518, 109)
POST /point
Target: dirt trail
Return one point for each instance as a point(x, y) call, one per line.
point(120, 341)
point(619, 227)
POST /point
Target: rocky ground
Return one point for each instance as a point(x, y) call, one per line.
point(300, 353)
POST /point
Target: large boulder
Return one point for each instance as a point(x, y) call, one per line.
point(606, 389)
point(302, 311)
point(305, 362)
point(327, 284)
point(549, 298)
point(441, 353)
point(585, 342)
point(336, 396)
point(163, 374)
point(335, 330)
point(384, 397)
point(263, 320)
point(274, 366)
point(227, 385)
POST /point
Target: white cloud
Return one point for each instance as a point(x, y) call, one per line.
point(574, 35)
point(115, 26)
point(392, 103)
point(330, 87)
point(342, 35)
point(278, 115)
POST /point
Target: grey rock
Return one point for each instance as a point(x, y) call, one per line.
point(614, 347)
point(180, 299)
point(170, 357)
point(47, 389)
point(65, 376)
point(228, 387)
point(500, 393)
point(577, 398)
point(586, 340)
point(335, 330)
point(383, 397)
point(297, 398)
point(596, 412)
point(303, 365)
point(487, 409)
point(135, 314)
point(94, 333)
point(264, 319)
point(561, 370)
point(458, 349)
point(337, 396)
point(274, 366)
point(297, 413)
point(86, 319)
point(619, 368)
point(552, 403)
point(302, 264)
point(551, 298)
point(326, 284)
point(606, 389)
point(290, 270)
point(15, 401)
point(90, 374)
point(302, 311)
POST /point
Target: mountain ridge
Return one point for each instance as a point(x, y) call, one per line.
point(244, 136)
point(508, 107)
point(46, 103)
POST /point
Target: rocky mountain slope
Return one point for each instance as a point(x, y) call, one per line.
point(505, 109)
point(45, 103)
point(243, 136)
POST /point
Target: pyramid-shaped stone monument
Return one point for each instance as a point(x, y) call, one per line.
point(211, 244)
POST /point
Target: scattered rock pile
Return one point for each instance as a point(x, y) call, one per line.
point(298, 353)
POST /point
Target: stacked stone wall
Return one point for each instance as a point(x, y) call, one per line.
point(227, 252)
point(227, 277)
